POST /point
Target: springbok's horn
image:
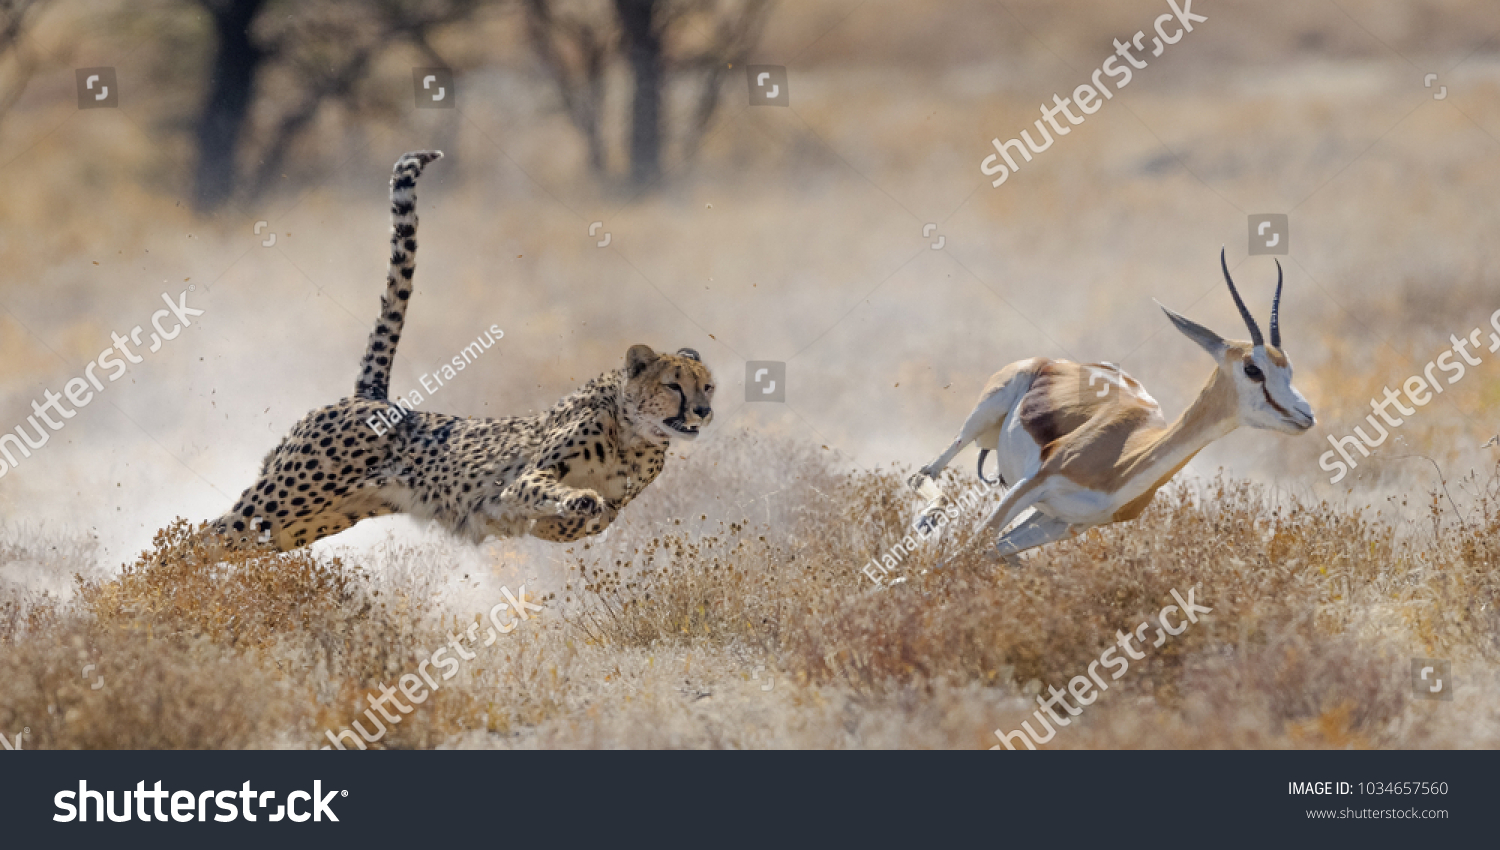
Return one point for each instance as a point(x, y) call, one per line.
point(1276, 309)
point(1255, 336)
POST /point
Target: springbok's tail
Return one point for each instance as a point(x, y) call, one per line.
point(998, 479)
point(375, 370)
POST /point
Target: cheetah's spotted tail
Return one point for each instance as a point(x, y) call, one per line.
point(375, 370)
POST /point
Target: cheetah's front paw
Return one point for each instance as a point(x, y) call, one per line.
point(586, 504)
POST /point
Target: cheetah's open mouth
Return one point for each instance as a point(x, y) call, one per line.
point(678, 424)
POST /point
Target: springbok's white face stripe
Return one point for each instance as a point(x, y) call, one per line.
point(1278, 406)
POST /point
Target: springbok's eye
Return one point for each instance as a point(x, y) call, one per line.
point(1253, 372)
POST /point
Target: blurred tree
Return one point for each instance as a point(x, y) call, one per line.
point(231, 84)
point(701, 39)
point(642, 23)
point(14, 22)
point(579, 78)
point(319, 49)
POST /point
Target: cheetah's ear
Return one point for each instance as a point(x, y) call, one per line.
point(637, 359)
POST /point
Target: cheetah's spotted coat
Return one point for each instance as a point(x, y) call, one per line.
point(560, 475)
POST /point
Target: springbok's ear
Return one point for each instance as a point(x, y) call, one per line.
point(637, 359)
point(1206, 339)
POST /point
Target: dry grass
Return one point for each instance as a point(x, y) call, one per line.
point(656, 636)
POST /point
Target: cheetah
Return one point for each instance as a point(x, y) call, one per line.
point(561, 475)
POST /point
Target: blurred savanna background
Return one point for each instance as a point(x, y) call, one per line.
point(727, 607)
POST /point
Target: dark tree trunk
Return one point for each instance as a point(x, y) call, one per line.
point(230, 89)
point(643, 43)
point(595, 54)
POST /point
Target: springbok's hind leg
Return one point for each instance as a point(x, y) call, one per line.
point(1015, 502)
point(1037, 530)
point(1017, 499)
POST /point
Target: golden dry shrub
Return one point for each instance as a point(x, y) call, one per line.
point(77, 686)
point(188, 585)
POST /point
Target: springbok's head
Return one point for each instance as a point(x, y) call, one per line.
point(1261, 373)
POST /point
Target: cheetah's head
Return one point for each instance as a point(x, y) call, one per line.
point(667, 395)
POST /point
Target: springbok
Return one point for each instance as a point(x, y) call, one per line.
point(1085, 445)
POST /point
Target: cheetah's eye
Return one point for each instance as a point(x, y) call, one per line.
point(674, 387)
point(1254, 373)
point(708, 388)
